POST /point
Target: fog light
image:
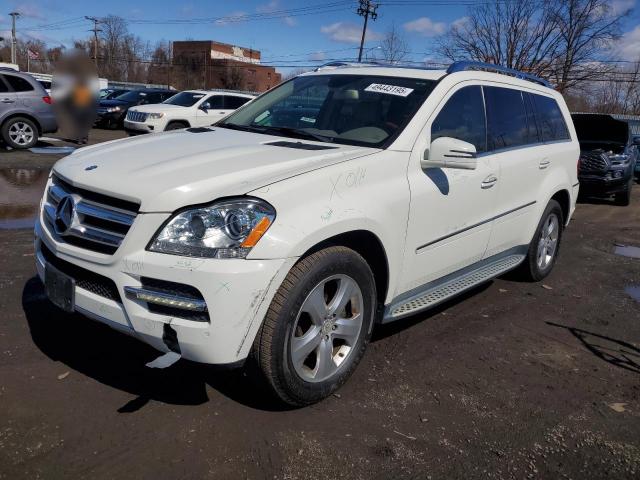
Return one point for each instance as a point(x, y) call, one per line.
point(158, 298)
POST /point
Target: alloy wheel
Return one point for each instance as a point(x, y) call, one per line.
point(548, 241)
point(327, 328)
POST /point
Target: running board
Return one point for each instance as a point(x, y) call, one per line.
point(450, 286)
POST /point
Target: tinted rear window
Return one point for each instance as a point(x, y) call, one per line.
point(550, 119)
point(234, 102)
point(506, 118)
point(463, 118)
point(18, 84)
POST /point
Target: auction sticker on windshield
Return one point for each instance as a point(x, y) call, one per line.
point(389, 89)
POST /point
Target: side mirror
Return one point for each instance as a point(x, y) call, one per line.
point(636, 140)
point(205, 107)
point(447, 152)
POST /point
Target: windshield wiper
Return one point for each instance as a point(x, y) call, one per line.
point(242, 128)
point(296, 133)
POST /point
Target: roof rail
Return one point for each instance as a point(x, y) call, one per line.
point(489, 67)
point(338, 64)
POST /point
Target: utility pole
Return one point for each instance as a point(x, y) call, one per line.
point(14, 40)
point(95, 31)
point(366, 9)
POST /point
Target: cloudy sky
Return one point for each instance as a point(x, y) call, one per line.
point(287, 32)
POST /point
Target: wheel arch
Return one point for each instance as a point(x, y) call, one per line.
point(24, 115)
point(186, 123)
point(369, 246)
point(564, 199)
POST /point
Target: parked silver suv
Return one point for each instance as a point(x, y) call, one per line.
point(25, 109)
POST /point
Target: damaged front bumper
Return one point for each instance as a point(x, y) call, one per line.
point(126, 291)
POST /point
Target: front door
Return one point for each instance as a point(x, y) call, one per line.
point(211, 110)
point(451, 211)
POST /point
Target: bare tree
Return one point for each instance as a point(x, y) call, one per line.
point(551, 38)
point(586, 28)
point(393, 47)
point(232, 77)
point(517, 34)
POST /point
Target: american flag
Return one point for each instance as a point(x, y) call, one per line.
point(33, 55)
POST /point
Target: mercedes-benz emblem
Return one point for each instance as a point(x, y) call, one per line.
point(65, 211)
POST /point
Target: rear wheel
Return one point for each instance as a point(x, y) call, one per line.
point(543, 249)
point(20, 133)
point(317, 327)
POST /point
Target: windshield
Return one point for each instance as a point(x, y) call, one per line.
point(131, 96)
point(350, 109)
point(184, 99)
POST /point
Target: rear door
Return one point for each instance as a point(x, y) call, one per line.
point(514, 141)
point(24, 94)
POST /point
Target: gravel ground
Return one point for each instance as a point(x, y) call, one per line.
point(514, 380)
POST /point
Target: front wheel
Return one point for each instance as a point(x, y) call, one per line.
point(624, 198)
point(20, 133)
point(543, 249)
point(317, 327)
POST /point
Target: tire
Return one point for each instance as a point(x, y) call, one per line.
point(175, 126)
point(302, 378)
point(624, 198)
point(538, 263)
point(20, 133)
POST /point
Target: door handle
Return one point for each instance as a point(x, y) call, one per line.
point(221, 113)
point(489, 182)
point(544, 164)
point(8, 100)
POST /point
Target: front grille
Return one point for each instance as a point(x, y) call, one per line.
point(178, 289)
point(86, 279)
point(89, 220)
point(134, 116)
point(595, 161)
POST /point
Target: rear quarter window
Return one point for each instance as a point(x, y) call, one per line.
point(550, 119)
point(234, 102)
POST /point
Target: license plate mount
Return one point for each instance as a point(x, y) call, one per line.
point(60, 288)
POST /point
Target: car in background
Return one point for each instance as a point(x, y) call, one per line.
point(111, 113)
point(608, 156)
point(110, 93)
point(191, 108)
point(25, 109)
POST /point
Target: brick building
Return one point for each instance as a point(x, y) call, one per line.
point(209, 64)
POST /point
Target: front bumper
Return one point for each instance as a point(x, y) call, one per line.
point(109, 118)
point(139, 127)
point(237, 292)
point(600, 185)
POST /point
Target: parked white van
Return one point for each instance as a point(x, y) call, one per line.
point(339, 199)
point(191, 108)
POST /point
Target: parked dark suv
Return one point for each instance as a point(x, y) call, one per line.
point(111, 113)
point(608, 155)
point(25, 109)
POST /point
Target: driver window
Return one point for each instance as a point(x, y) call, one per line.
point(463, 118)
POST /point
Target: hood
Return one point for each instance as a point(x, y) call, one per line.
point(597, 128)
point(166, 171)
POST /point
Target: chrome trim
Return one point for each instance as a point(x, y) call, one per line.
point(85, 208)
point(458, 232)
point(113, 221)
point(135, 292)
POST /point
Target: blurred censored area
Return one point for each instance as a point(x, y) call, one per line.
point(74, 90)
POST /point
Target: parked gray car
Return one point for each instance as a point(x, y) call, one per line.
point(25, 109)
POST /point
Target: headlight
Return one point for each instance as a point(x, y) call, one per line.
point(155, 116)
point(113, 109)
point(225, 229)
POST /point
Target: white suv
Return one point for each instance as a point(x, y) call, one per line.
point(192, 108)
point(337, 200)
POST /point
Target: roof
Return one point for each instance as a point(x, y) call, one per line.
point(384, 71)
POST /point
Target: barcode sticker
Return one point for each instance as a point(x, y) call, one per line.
point(389, 89)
